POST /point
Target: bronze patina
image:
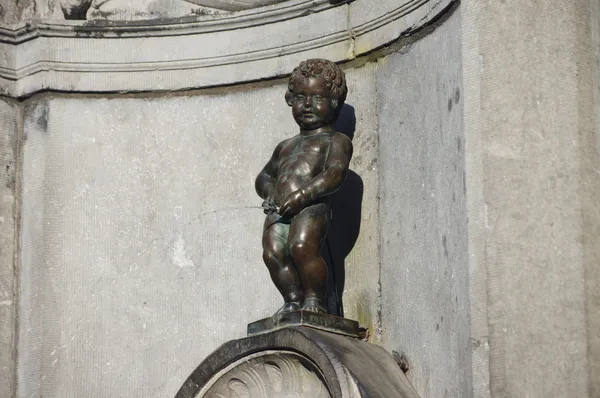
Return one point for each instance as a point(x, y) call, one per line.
point(297, 181)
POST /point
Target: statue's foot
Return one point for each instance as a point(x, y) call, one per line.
point(288, 307)
point(314, 304)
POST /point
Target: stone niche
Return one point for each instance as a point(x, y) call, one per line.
point(122, 233)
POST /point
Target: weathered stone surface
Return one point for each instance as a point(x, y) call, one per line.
point(126, 233)
point(424, 280)
point(350, 368)
point(9, 115)
point(531, 125)
point(361, 289)
point(11, 12)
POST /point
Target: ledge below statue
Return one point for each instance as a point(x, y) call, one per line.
point(327, 323)
point(300, 361)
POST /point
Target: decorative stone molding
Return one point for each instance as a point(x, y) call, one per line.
point(200, 51)
point(298, 362)
point(234, 5)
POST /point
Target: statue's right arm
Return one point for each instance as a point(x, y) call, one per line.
point(265, 181)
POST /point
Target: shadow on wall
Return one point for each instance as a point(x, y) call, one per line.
point(345, 223)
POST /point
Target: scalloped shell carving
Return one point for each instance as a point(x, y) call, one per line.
point(284, 375)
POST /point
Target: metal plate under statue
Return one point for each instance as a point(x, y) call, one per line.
point(302, 351)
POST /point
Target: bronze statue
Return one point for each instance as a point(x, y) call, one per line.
point(296, 182)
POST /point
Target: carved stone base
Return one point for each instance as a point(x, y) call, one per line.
point(298, 362)
point(328, 323)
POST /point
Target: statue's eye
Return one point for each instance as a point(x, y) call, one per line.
point(299, 98)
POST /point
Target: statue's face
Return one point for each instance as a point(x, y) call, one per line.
point(311, 103)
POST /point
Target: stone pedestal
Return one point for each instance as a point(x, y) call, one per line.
point(299, 362)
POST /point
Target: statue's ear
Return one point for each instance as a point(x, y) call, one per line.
point(288, 98)
point(335, 103)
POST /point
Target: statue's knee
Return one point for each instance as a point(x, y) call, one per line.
point(269, 257)
point(272, 257)
point(302, 251)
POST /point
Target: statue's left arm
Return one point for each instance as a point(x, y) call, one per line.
point(325, 183)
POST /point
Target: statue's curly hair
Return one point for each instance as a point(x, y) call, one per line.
point(335, 79)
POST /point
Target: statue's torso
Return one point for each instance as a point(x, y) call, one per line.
point(301, 159)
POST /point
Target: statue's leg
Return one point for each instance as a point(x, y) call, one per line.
point(277, 258)
point(307, 234)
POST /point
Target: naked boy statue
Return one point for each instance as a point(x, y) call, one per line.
point(296, 182)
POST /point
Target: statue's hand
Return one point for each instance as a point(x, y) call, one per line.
point(293, 204)
point(269, 206)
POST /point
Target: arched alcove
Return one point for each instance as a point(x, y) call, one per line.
point(137, 143)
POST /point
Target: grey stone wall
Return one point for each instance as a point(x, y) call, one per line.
point(423, 220)
point(531, 126)
point(9, 115)
point(12, 12)
point(361, 293)
point(141, 249)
